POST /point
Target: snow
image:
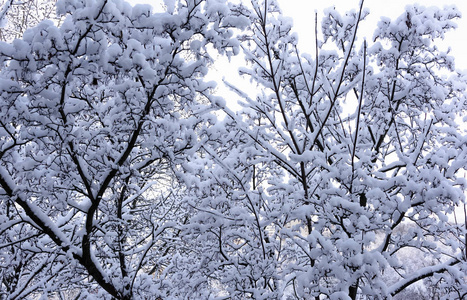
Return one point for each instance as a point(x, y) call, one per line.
point(114, 141)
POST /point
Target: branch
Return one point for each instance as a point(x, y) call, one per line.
point(341, 78)
point(421, 274)
point(357, 125)
point(34, 212)
point(4, 12)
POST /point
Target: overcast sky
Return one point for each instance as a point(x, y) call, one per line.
point(302, 12)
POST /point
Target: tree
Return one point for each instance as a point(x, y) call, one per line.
point(303, 193)
point(17, 16)
point(122, 175)
point(94, 117)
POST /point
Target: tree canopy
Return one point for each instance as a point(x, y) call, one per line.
point(125, 175)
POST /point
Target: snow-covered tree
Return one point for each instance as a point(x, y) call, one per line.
point(303, 192)
point(123, 177)
point(95, 115)
point(17, 16)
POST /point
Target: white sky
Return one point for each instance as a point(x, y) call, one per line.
point(303, 11)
